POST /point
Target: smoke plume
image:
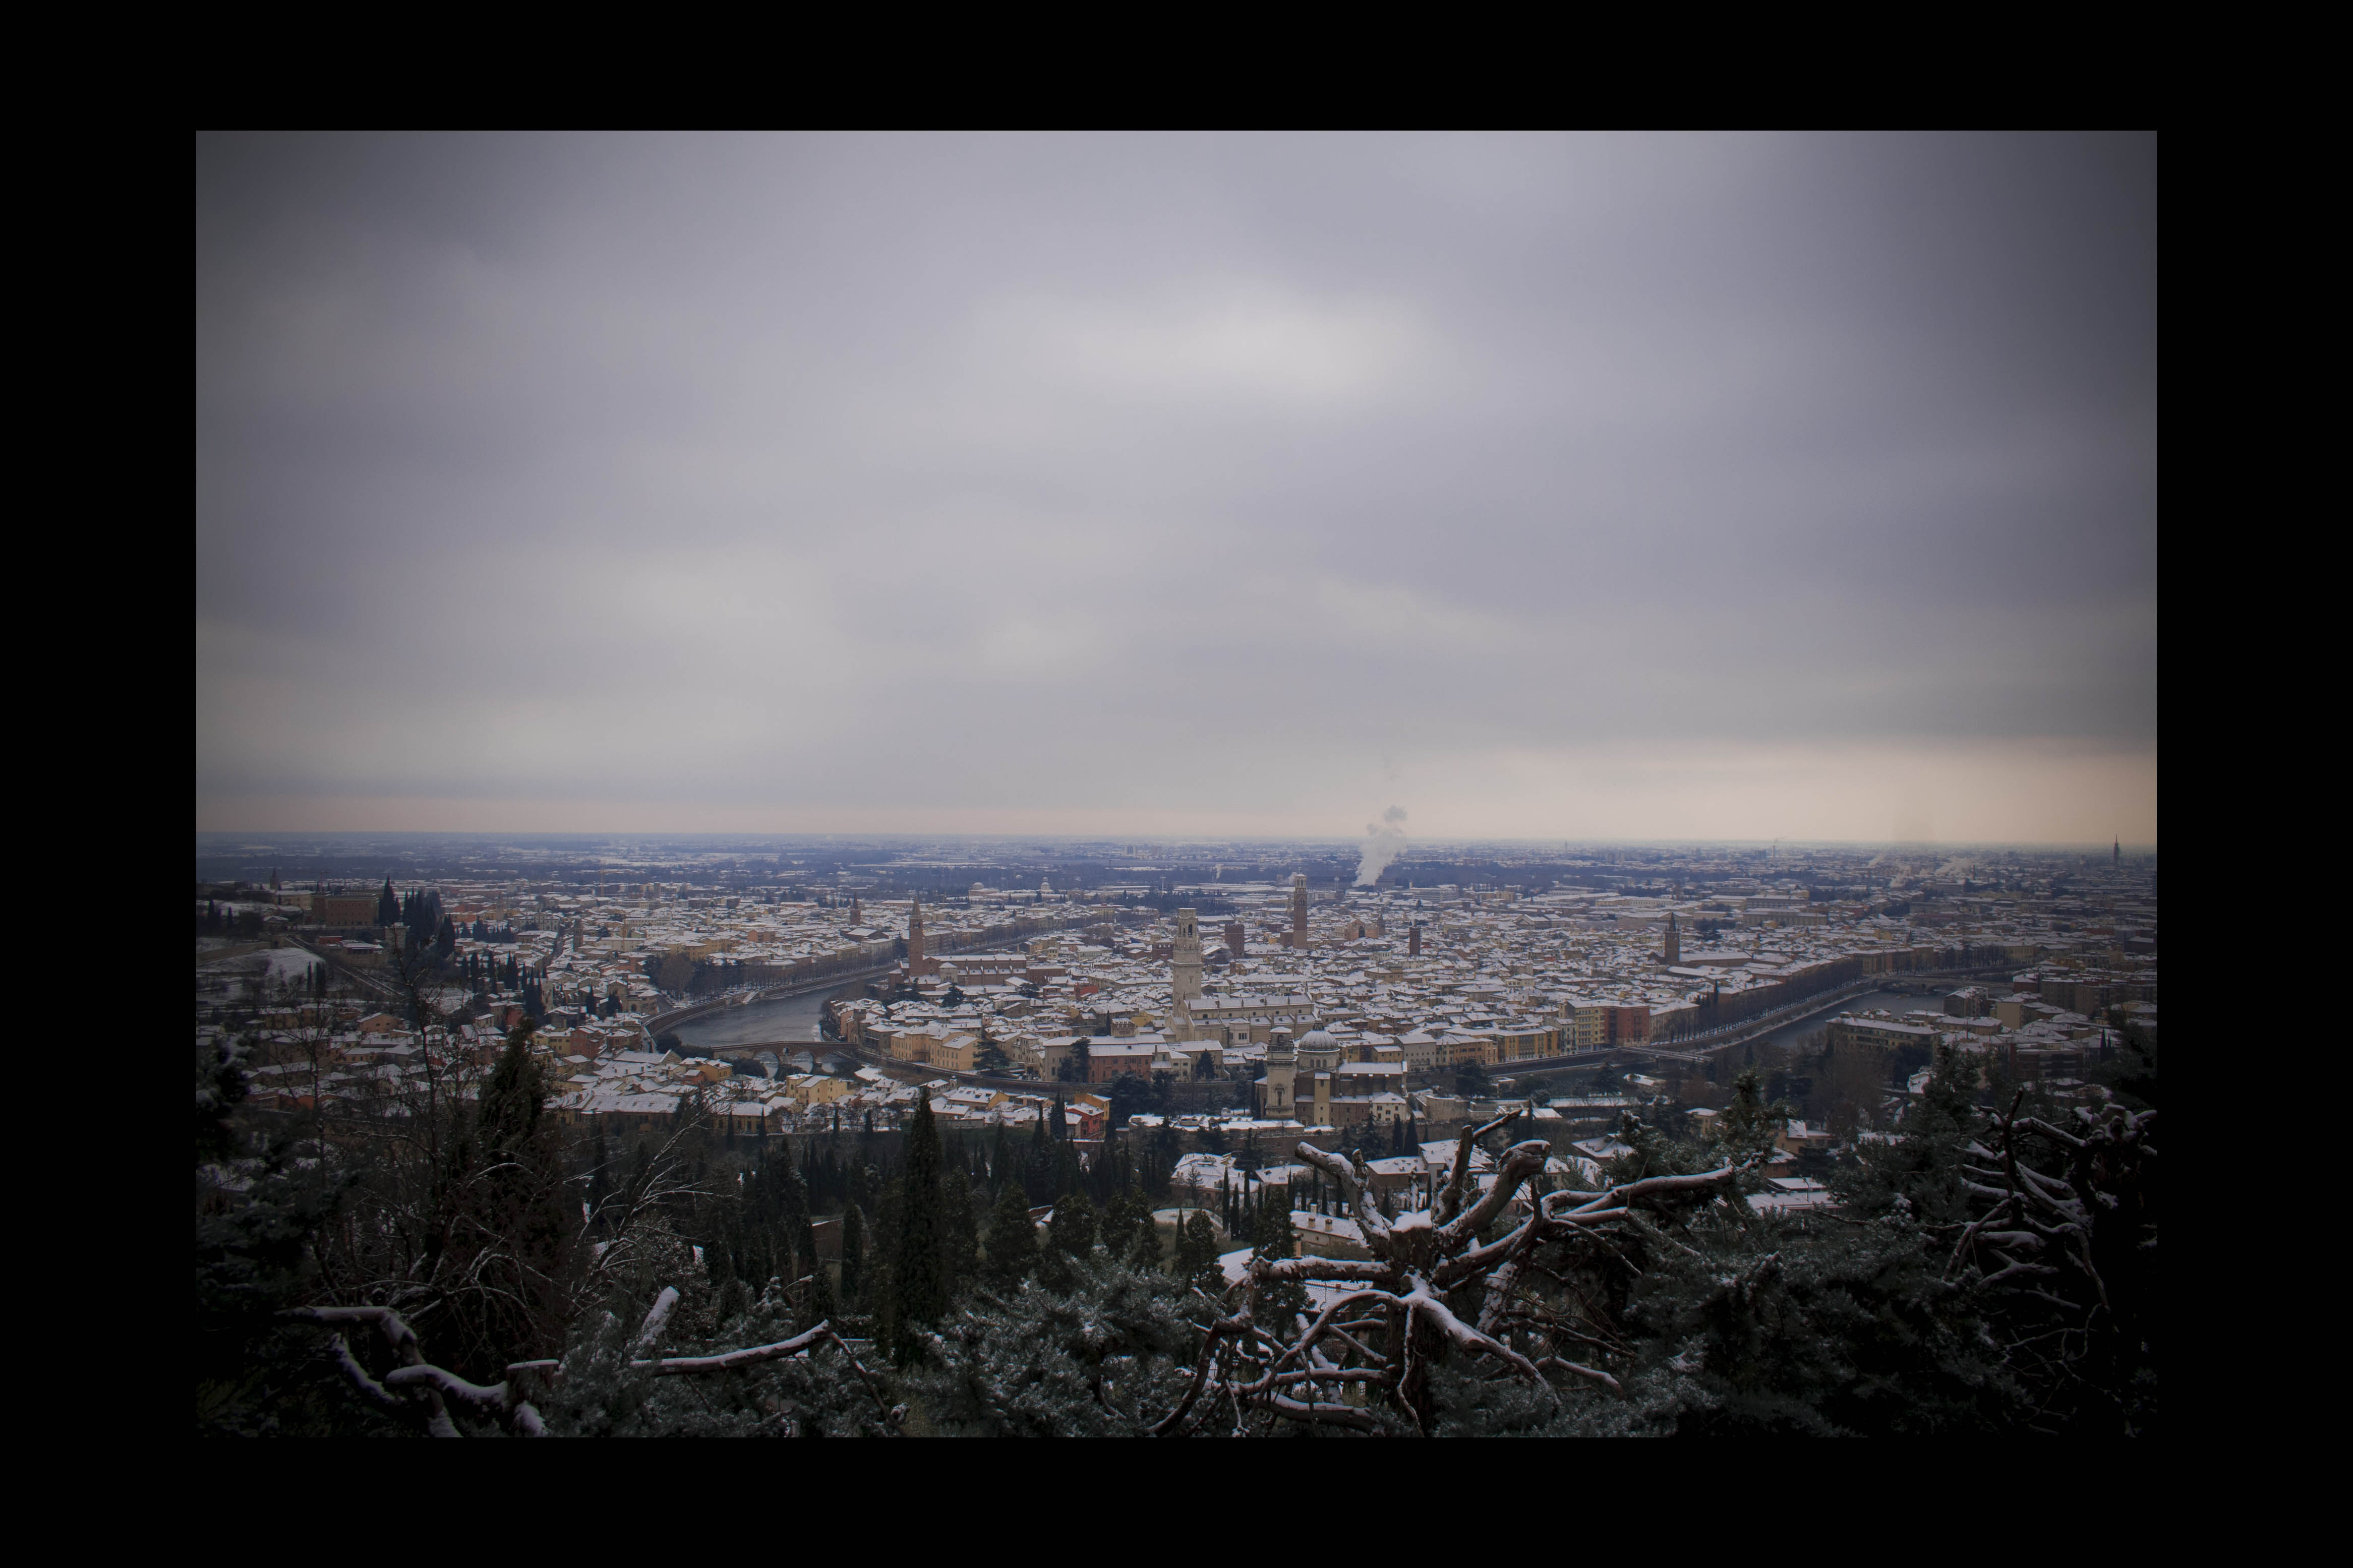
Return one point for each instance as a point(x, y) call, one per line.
point(1384, 842)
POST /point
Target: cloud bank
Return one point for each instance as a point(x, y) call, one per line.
point(1695, 486)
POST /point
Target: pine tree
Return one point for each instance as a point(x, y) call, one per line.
point(920, 1274)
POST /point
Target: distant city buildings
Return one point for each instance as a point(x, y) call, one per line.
point(1340, 1008)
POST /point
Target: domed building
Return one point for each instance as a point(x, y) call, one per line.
point(1318, 1051)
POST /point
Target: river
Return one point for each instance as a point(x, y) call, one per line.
point(1790, 1034)
point(790, 1019)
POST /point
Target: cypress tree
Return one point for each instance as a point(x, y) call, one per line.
point(960, 1230)
point(1117, 1231)
point(920, 1276)
point(1197, 1254)
point(883, 1254)
point(1072, 1231)
point(818, 1306)
point(511, 1100)
point(1276, 1304)
point(600, 1179)
point(1275, 1236)
point(1144, 1245)
point(1012, 1237)
point(853, 1258)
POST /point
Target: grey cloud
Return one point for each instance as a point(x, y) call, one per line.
point(1024, 470)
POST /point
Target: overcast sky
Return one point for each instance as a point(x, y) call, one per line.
point(1587, 487)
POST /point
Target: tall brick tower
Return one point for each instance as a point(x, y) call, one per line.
point(914, 933)
point(1234, 941)
point(1299, 911)
point(1674, 940)
point(1413, 941)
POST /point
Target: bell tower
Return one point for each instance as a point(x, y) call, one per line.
point(1282, 1067)
point(1674, 940)
point(1185, 973)
point(1299, 912)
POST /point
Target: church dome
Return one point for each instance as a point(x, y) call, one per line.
point(1318, 1040)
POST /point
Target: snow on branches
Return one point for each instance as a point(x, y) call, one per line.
point(432, 1386)
point(1385, 1322)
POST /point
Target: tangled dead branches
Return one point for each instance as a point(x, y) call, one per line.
point(1330, 1375)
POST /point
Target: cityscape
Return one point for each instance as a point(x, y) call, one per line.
point(860, 1032)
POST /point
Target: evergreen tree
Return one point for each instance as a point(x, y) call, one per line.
point(853, 1259)
point(1072, 1230)
point(1277, 1305)
point(920, 1273)
point(1275, 1237)
point(1748, 1126)
point(1037, 1165)
point(387, 906)
point(817, 1306)
point(1068, 1175)
point(1116, 1230)
point(1144, 1243)
point(960, 1230)
point(1197, 1256)
point(512, 1098)
point(1012, 1237)
point(256, 1375)
point(1920, 1172)
point(600, 1175)
point(881, 1286)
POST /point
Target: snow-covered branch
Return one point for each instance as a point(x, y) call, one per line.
point(656, 1316)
